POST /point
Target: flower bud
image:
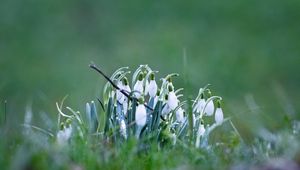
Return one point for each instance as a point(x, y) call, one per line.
point(140, 115)
point(152, 88)
point(219, 116)
point(152, 76)
point(209, 110)
point(172, 100)
point(180, 115)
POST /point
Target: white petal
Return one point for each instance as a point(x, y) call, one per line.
point(155, 101)
point(127, 89)
point(141, 115)
point(172, 100)
point(152, 88)
point(219, 116)
point(166, 110)
point(138, 87)
point(146, 88)
point(119, 95)
point(60, 139)
point(68, 132)
point(125, 106)
point(194, 120)
point(200, 105)
point(63, 136)
point(179, 115)
point(201, 130)
point(123, 129)
point(125, 103)
point(209, 110)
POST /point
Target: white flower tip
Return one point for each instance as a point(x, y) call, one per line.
point(141, 115)
point(209, 110)
point(172, 100)
point(219, 117)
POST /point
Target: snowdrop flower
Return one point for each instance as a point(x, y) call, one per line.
point(123, 129)
point(140, 114)
point(194, 119)
point(180, 115)
point(172, 98)
point(152, 88)
point(146, 88)
point(169, 81)
point(64, 135)
point(138, 87)
point(219, 114)
point(119, 95)
point(166, 109)
point(201, 129)
point(127, 89)
point(210, 108)
point(200, 133)
point(156, 98)
point(199, 105)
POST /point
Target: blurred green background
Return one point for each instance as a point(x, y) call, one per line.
point(248, 50)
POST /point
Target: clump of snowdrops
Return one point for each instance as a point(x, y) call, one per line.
point(147, 109)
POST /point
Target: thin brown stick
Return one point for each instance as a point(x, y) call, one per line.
point(131, 98)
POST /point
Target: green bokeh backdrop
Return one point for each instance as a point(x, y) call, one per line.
point(248, 50)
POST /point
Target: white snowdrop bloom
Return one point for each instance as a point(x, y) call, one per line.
point(123, 129)
point(180, 115)
point(166, 110)
point(199, 106)
point(172, 98)
point(68, 131)
point(173, 138)
point(219, 116)
point(152, 88)
point(141, 115)
point(127, 90)
point(146, 88)
point(138, 87)
point(201, 130)
point(210, 108)
point(125, 107)
point(60, 137)
point(119, 95)
point(64, 135)
point(194, 120)
point(155, 100)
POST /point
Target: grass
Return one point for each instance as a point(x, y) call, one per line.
point(37, 147)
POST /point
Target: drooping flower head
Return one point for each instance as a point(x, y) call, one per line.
point(219, 113)
point(119, 95)
point(138, 87)
point(146, 84)
point(152, 88)
point(127, 90)
point(180, 115)
point(172, 98)
point(141, 114)
point(126, 85)
point(199, 104)
point(166, 109)
point(210, 108)
point(65, 133)
point(201, 129)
